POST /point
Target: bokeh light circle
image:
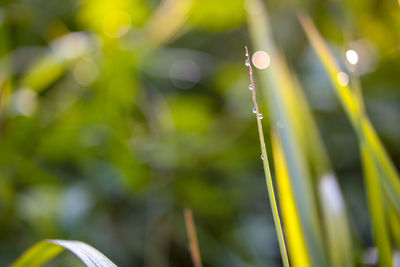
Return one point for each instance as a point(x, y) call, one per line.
point(352, 57)
point(342, 78)
point(261, 60)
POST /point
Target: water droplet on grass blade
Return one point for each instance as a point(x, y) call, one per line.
point(254, 110)
point(262, 157)
point(251, 87)
point(261, 116)
point(247, 63)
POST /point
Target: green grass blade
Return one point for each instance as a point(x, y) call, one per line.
point(267, 171)
point(38, 255)
point(375, 197)
point(46, 250)
point(336, 222)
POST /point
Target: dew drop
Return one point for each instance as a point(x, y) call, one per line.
point(247, 54)
point(254, 110)
point(261, 116)
point(251, 87)
point(262, 157)
point(247, 63)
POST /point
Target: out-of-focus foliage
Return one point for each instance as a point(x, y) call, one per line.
point(115, 115)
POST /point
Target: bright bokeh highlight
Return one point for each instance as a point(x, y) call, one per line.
point(342, 78)
point(261, 60)
point(352, 57)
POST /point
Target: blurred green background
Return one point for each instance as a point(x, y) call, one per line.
point(115, 115)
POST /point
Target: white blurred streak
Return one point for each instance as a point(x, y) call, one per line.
point(370, 256)
point(25, 101)
point(72, 45)
point(329, 188)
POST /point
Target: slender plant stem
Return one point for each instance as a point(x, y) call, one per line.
point(267, 171)
point(193, 243)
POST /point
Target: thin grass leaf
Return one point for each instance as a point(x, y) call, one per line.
point(295, 237)
point(283, 112)
point(192, 236)
point(267, 171)
point(376, 205)
point(394, 222)
point(335, 219)
point(46, 250)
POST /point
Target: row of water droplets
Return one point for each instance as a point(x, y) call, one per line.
point(251, 87)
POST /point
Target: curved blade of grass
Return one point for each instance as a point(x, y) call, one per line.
point(275, 78)
point(376, 205)
point(354, 109)
point(46, 250)
point(267, 171)
point(295, 237)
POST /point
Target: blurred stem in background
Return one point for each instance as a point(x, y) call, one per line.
point(192, 237)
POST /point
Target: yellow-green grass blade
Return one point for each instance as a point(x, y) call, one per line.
point(284, 114)
point(298, 253)
point(377, 207)
point(38, 255)
point(267, 171)
point(46, 250)
point(354, 110)
point(394, 221)
point(336, 223)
